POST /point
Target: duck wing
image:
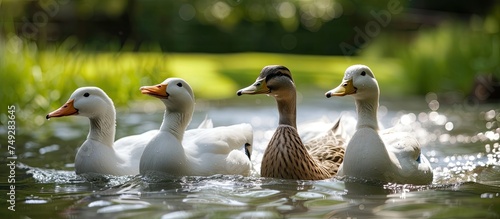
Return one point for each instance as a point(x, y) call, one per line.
point(329, 149)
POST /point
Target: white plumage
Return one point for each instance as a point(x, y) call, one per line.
point(98, 154)
point(200, 152)
point(387, 156)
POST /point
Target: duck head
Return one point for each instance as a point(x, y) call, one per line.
point(90, 102)
point(359, 82)
point(274, 80)
point(175, 93)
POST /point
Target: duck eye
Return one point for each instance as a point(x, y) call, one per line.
point(86, 94)
point(179, 84)
point(363, 73)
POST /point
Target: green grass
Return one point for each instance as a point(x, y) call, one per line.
point(41, 81)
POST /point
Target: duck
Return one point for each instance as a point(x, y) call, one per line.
point(286, 156)
point(387, 156)
point(173, 151)
point(100, 153)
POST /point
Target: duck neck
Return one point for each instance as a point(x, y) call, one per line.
point(287, 107)
point(175, 123)
point(367, 113)
point(102, 128)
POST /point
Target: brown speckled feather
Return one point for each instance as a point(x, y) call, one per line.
point(329, 149)
point(286, 157)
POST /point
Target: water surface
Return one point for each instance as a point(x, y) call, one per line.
point(460, 140)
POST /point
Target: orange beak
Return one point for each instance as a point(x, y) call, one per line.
point(158, 91)
point(67, 109)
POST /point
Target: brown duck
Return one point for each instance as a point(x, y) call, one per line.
point(286, 156)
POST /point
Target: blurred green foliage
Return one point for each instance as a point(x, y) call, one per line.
point(277, 26)
point(122, 45)
point(447, 58)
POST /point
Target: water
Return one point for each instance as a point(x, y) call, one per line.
point(460, 139)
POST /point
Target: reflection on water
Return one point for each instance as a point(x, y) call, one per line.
point(461, 143)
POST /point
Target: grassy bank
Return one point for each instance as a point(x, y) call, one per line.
point(40, 81)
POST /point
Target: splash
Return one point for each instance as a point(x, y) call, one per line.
point(41, 175)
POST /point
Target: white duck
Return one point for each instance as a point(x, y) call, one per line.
point(204, 152)
point(98, 154)
point(371, 154)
